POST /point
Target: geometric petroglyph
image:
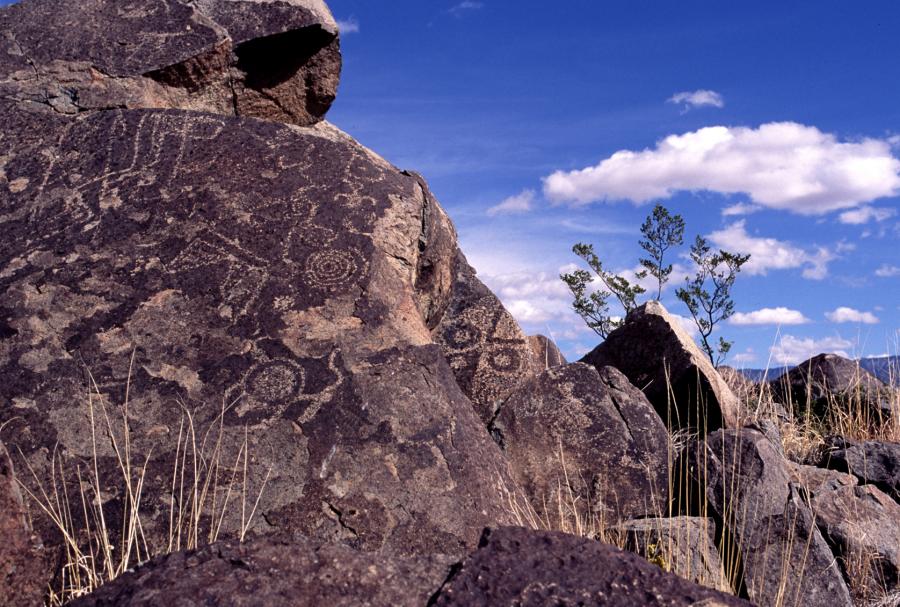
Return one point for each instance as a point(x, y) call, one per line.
point(275, 382)
point(331, 269)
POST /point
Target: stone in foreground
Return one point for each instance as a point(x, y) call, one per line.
point(659, 357)
point(872, 462)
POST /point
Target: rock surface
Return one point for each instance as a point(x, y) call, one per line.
point(546, 353)
point(862, 525)
point(659, 357)
point(24, 572)
point(613, 445)
point(684, 545)
point(272, 573)
point(489, 353)
point(194, 260)
point(872, 462)
point(742, 479)
point(829, 380)
point(273, 60)
point(534, 569)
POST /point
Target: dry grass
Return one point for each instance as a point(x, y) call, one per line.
point(207, 486)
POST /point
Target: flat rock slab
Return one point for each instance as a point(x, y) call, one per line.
point(658, 356)
point(515, 566)
point(546, 353)
point(272, 573)
point(872, 462)
point(684, 545)
point(741, 478)
point(574, 428)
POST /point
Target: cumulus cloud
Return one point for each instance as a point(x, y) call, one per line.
point(769, 316)
point(780, 165)
point(743, 358)
point(792, 350)
point(772, 254)
point(348, 26)
point(866, 214)
point(535, 298)
point(520, 203)
point(741, 208)
point(887, 271)
point(695, 99)
point(845, 314)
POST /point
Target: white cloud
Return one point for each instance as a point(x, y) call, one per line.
point(887, 271)
point(520, 203)
point(699, 98)
point(845, 314)
point(348, 26)
point(741, 359)
point(465, 6)
point(741, 208)
point(792, 350)
point(769, 316)
point(866, 214)
point(771, 254)
point(535, 298)
point(780, 165)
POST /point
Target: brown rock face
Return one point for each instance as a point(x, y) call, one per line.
point(684, 545)
point(484, 345)
point(534, 569)
point(274, 60)
point(23, 570)
point(660, 358)
point(273, 573)
point(613, 445)
point(742, 479)
point(872, 462)
point(195, 261)
point(545, 352)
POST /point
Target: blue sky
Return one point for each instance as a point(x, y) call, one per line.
point(783, 143)
point(490, 99)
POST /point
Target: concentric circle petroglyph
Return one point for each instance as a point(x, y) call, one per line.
point(275, 382)
point(331, 268)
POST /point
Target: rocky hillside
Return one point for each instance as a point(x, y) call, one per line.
point(244, 361)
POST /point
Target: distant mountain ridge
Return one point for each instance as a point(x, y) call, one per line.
point(885, 368)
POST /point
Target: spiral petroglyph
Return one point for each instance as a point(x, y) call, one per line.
point(275, 382)
point(331, 269)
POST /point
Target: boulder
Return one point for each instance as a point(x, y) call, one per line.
point(684, 545)
point(658, 356)
point(274, 60)
point(23, 568)
point(546, 353)
point(589, 434)
point(816, 480)
point(215, 287)
point(514, 566)
point(862, 525)
point(768, 538)
point(827, 381)
point(872, 462)
point(489, 353)
point(272, 573)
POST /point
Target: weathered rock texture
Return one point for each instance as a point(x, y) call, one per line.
point(546, 353)
point(684, 545)
point(659, 357)
point(489, 353)
point(872, 462)
point(592, 430)
point(534, 569)
point(192, 259)
point(273, 60)
point(24, 572)
point(767, 528)
point(273, 573)
point(862, 525)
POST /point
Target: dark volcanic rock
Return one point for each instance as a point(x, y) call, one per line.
point(684, 545)
point(192, 260)
point(601, 427)
point(545, 352)
point(484, 345)
point(816, 480)
point(862, 525)
point(829, 380)
point(23, 570)
point(272, 573)
point(872, 462)
point(534, 569)
point(273, 60)
point(659, 357)
point(742, 479)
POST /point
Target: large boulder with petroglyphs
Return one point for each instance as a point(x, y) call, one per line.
point(234, 311)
